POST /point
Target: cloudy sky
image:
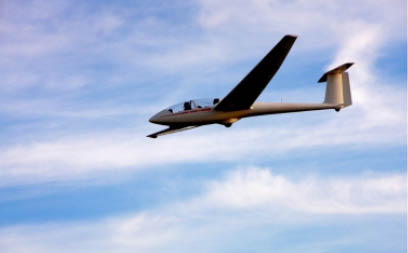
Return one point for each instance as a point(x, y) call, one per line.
point(79, 80)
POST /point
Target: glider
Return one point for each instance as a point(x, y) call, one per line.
point(240, 102)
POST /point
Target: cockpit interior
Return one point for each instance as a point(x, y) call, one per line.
point(193, 104)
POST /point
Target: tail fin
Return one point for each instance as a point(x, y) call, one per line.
point(338, 86)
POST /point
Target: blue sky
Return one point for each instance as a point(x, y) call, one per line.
point(79, 80)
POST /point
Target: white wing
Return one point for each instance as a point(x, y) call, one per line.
point(170, 130)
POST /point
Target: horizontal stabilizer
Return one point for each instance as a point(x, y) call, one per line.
point(338, 70)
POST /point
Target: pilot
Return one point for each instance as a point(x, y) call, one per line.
point(187, 106)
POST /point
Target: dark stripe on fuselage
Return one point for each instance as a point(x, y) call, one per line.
point(185, 112)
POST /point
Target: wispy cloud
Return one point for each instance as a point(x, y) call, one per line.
point(377, 117)
point(76, 66)
point(256, 188)
point(266, 198)
point(79, 156)
point(85, 155)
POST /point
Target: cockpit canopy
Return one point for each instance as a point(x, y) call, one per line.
point(193, 104)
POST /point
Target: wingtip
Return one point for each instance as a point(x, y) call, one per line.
point(293, 36)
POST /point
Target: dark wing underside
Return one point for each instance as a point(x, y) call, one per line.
point(249, 89)
point(170, 130)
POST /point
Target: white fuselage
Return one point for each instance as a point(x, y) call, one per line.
point(203, 116)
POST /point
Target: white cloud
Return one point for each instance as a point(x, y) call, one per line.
point(63, 108)
point(88, 155)
point(326, 21)
point(378, 116)
point(244, 200)
point(373, 122)
point(176, 48)
point(379, 102)
point(259, 188)
point(220, 34)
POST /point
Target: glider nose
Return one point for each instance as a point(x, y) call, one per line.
point(158, 117)
point(154, 118)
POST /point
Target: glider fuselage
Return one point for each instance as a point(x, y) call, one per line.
point(207, 115)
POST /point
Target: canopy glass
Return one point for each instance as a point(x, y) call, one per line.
point(193, 104)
